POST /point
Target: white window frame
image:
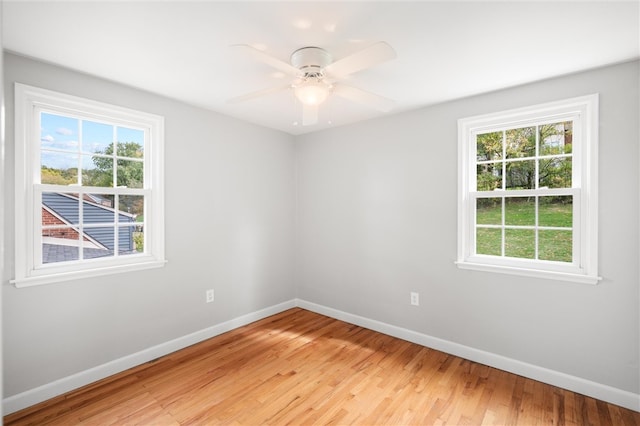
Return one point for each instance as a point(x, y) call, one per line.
point(29, 102)
point(584, 113)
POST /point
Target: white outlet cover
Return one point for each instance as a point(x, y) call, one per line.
point(415, 298)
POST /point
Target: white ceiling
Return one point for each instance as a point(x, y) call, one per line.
point(445, 50)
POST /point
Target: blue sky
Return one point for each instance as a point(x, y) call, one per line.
point(59, 133)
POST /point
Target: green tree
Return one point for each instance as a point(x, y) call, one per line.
point(129, 172)
point(553, 172)
point(489, 148)
point(521, 143)
point(53, 176)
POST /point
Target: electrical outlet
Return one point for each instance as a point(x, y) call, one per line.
point(209, 295)
point(415, 298)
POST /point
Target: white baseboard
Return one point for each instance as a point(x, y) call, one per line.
point(575, 384)
point(42, 393)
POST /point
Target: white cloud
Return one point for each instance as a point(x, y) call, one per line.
point(48, 139)
point(64, 131)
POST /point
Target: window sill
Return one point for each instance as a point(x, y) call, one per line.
point(95, 272)
point(553, 275)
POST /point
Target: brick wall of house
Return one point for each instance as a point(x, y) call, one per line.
point(49, 219)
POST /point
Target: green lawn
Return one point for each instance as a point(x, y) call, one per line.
point(552, 244)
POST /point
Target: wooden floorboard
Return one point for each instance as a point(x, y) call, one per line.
point(298, 367)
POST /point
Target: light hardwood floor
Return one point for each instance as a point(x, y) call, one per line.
point(298, 367)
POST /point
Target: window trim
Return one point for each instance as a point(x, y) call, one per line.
point(29, 101)
point(585, 185)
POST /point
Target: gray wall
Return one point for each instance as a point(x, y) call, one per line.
point(229, 226)
point(377, 219)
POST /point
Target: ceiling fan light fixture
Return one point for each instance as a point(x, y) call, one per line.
point(312, 92)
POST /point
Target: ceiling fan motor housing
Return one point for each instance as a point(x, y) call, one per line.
point(311, 60)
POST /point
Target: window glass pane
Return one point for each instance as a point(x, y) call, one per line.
point(130, 142)
point(520, 211)
point(60, 209)
point(556, 138)
point(489, 211)
point(92, 248)
point(132, 205)
point(66, 233)
point(59, 244)
point(92, 252)
point(138, 238)
point(127, 240)
point(98, 208)
point(489, 241)
point(101, 240)
point(97, 137)
point(555, 245)
point(521, 174)
point(556, 211)
point(519, 243)
point(521, 142)
point(489, 146)
point(130, 173)
point(58, 168)
point(555, 173)
point(97, 171)
point(489, 176)
point(58, 132)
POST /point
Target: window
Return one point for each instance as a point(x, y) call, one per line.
point(89, 188)
point(527, 197)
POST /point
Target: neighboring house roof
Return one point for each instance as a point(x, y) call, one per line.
point(102, 240)
point(98, 199)
point(52, 253)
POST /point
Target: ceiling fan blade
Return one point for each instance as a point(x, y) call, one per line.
point(269, 60)
point(373, 55)
point(363, 97)
point(258, 94)
point(309, 114)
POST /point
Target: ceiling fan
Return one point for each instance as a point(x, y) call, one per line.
point(316, 75)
